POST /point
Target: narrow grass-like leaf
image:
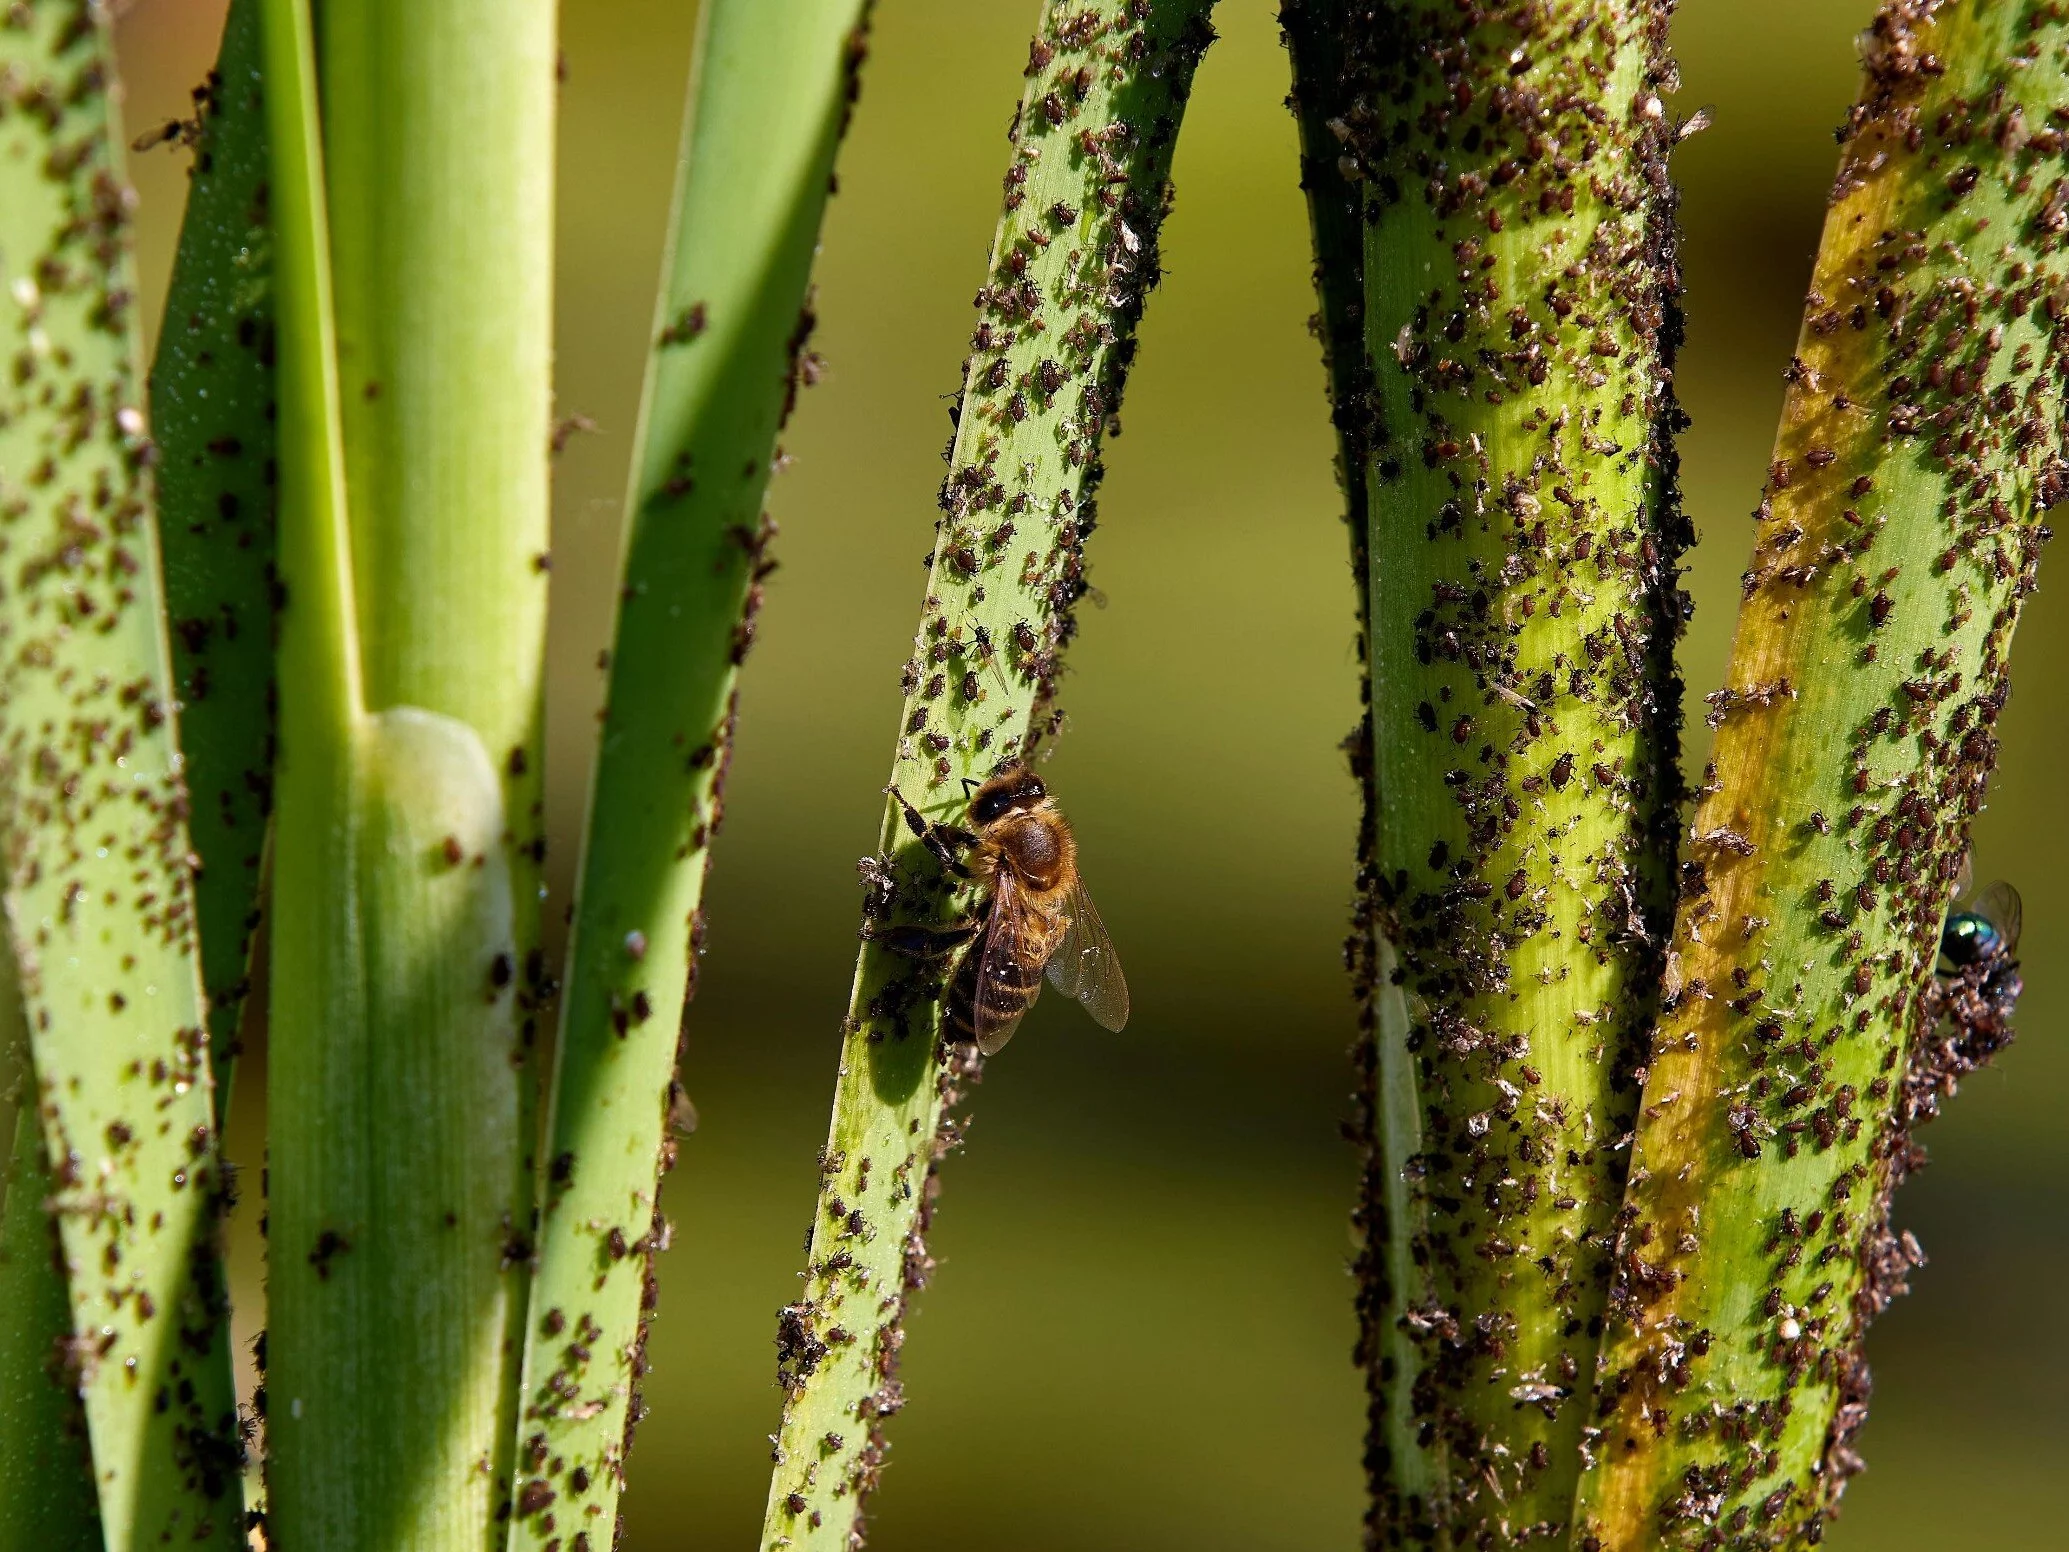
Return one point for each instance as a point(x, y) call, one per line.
point(770, 95)
point(411, 544)
point(1075, 255)
point(1327, 44)
point(46, 1469)
point(1519, 291)
point(1921, 438)
point(212, 415)
point(1327, 47)
point(93, 813)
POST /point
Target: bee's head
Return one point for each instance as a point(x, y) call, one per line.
point(1014, 790)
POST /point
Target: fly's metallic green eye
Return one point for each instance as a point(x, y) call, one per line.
point(1986, 926)
point(1968, 938)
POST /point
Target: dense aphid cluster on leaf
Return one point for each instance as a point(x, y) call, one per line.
point(1515, 434)
point(1638, 1069)
point(1086, 192)
point(93, 830)
point(1329, 75)
point(1804, 1031)
point(1519, 324)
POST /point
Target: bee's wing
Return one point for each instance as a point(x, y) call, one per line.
point(2000, 902)
point(1085, 965)
point(1002, 971)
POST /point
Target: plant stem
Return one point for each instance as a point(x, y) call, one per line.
point(770, 95)
point(211, 393)
point(1519, 289)
point(438, 124)
point(1074, 258)
point(1920, 439)
point(404, 890)
point(1323, 39)
point(1325, 42)
point(98, 898)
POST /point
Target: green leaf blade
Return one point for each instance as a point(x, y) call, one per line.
point(404, 984)
point(98, 895)
point(406, 1250)
point(212, 403)
point(46, 1471)
point(1330, 77)
point(770, 97)
point(1520, 323)
point(1074, 259)
point(1804, 1036)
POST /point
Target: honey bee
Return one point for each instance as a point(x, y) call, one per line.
point(1034, 917)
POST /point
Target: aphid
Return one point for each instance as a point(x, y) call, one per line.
point(1035, 916)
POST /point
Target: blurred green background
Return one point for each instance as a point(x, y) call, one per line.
point(1139, 1335)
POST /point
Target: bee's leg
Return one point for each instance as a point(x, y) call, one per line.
point(915, 941)
point(942, 840)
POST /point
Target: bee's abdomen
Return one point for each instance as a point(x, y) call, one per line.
point(1003, 996)
point(992, 990)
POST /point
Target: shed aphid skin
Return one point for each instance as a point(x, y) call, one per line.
point(1035, 917)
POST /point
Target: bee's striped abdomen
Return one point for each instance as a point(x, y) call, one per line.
point(992, 991)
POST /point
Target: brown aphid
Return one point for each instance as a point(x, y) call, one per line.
point(1035, 916)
